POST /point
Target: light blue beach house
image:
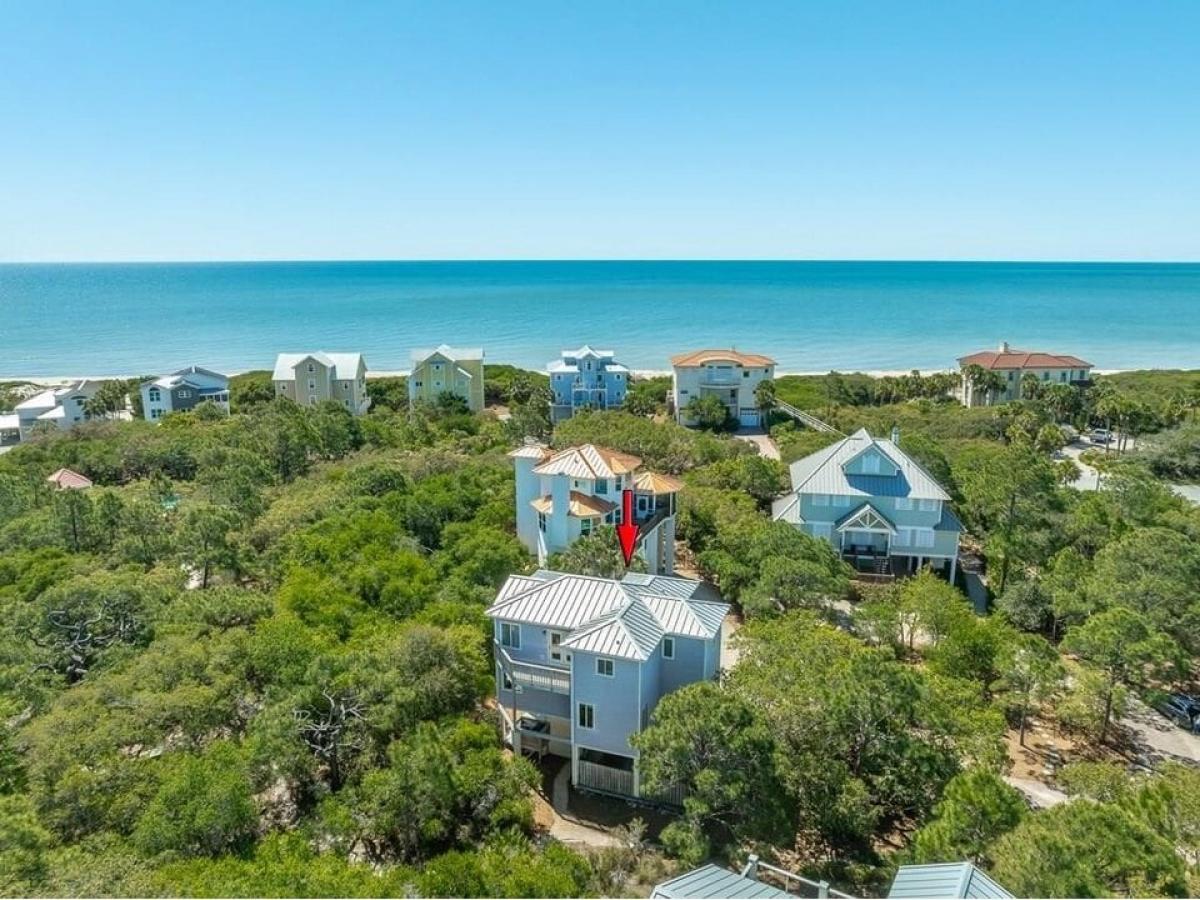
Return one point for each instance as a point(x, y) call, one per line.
point(586, 379)
point(875, 504)
point(581, 663)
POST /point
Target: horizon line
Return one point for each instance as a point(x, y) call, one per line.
point(596, 259)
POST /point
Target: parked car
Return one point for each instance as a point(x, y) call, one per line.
point(1100, 436)
point(1183, 709)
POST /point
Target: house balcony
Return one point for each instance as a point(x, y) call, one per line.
point(533, 676)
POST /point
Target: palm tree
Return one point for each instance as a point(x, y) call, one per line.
point(1031, 387)
point(983, 381)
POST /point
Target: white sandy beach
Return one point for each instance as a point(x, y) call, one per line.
point(53, 381)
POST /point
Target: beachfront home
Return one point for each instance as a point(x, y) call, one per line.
point(586, 379)
point(62, 407)
point(728, 375)
point(567, 494)
point(312, 378)
point(183, 390)
point(875, 504)
point(582, 662)
point(447, 370)
point(1011, 366)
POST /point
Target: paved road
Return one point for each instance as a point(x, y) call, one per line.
point(1089, 478)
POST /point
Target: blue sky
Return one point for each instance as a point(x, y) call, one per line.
point(957, 130)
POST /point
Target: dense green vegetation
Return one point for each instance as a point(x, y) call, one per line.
point(252, 660)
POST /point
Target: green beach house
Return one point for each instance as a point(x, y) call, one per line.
point(875, 504)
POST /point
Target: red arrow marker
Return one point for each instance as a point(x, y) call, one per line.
point(627, 531)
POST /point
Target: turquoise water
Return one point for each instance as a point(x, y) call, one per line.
point(811, 316)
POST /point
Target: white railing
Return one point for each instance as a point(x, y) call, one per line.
point(605, 778)
point(534, 676)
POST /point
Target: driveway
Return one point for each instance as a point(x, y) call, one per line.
point(1089, 478)
point(1040, 795)
point(1158, 737)
point(760, 439)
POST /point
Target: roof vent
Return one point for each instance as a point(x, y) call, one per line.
point(896, 435)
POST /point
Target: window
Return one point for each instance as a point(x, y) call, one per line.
point(604, 667)
point(746, 374)
point(903, 503)
point(312, 384)
point(310, 368)
point(510, 635)
point(927, 505)
point(601, 485)
point(587, 715)
point(1062, 376)
point(1045, 376)
point(668, 648)
point(555, 648)
point(585, 527)
point(505, 681)
point(184, 394)
point(820, 499)
point(155, 395)
point(841, 500)
point(155, 413)
point(924, 537)
point(541, 522)
point(903, 538)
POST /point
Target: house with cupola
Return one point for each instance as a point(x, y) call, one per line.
point(582, 662)
point(563, 495)
point(878, 507)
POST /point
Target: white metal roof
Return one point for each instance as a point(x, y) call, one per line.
point(951, 880)
point(344, 365)
point(822, 472)
point(588, 461)
point(613, 618)
point(453, 354)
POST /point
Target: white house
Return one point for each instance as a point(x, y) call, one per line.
point(312, 378)
point(582, 662)
point(586, 379)
point(183, 390)
point(728, 375)
point(875, 504)
point(61, 407)
point(567, 494)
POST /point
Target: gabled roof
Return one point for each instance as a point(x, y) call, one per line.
point(581, 506)
point(822, 473)
point(710, 882)
point(588, 461)
point(344, 365)
point(609, 617)
point(867, 518)
point(703, 357)
point(1023, 359)
point(65, 479)
point(949, 880)
point(454, 354)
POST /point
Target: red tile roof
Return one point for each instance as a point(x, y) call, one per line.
point(1023, 359)
point(700, 357)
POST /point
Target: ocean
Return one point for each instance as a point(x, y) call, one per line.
point(131, 319)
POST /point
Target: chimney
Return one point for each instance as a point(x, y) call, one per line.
point(1004, 346)
point(896, 435)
